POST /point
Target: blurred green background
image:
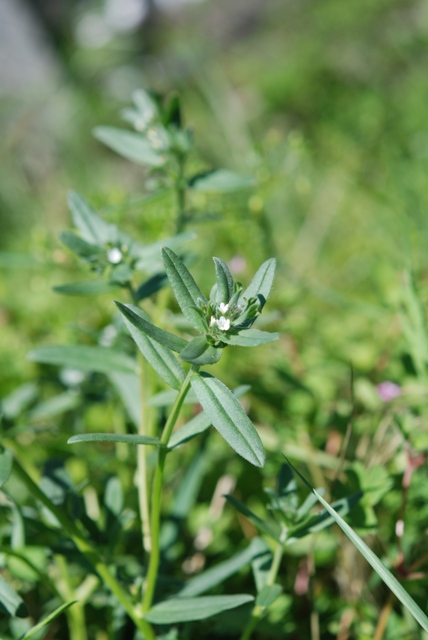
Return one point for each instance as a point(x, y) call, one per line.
point(325, 105)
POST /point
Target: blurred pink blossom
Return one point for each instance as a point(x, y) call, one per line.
point(237, 264)
point(388, 390)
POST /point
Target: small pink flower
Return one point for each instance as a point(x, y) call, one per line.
point(388, 390)
point(237, 264)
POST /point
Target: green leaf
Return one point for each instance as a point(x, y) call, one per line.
point(320, 521)
point(6, 458)
point(152, 285)
point(129, 388)
point(18, 400)
point(268, 595)
point(85, 358)
point(92, 228)
point(261, 566)
point(187, 609)
point(185, 288)
point(261, 284)
point(55, 406)
point(132, 146)
point(198, 424)
point(86, 288)
point(387, 577)
point(228, 417)
point(115, 437)
point(224, 281)
point(249, 338)
point(221, 181)
point(271, 529)
point(31, 632)
point(80, 247)
point(198, 351)
point(11, 601)
point(218, 574)
point(149, 257)
point(138, 319)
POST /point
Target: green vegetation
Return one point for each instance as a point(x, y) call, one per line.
point(123, 513)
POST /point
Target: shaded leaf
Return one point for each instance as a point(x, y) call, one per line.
point(6, 459)
point(115, 437)
point(11, 601)
point(228, 417)
point(86, 288)
point(186, 609)
point(85, 358)
point(93, 229)
point(221, 181)
point(270, 528)
point(132, 146)
point(129, 388)
point(80, 247)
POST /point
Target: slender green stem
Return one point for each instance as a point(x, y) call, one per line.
point(180, 188)
point(145, 429)
point(87, 551)
point(258, 610)
point(76, 614)
point(153, 568)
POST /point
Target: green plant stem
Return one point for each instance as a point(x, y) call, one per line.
point(153, 567)
point(145, 429)
point(258, 610)
point(180, 189)
point(87, 551)
point(76, 614)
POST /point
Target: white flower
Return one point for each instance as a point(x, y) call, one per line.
point(223, 307)
point(223, 323)
point(114, 256)
point(212, 321)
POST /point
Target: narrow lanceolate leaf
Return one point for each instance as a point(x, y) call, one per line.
point(132, 146)
point(159, 356)
point(220, 181)
point(34, 630)
point(250, 338)
point(198, 424)
point(224, 281)
point(228, 417)
point(320, 521)
point(269, 528)
point(86, 288)
point(387, 577)
point(11, 601)
point(185, 288)
point(92, 228)
point(6, 458)
point(83, 249)
point(115, 437)
point(218, 574)
point(198, 351)
point(187, 609)
point(84, 358)
point(261, 284)
point(138, 319)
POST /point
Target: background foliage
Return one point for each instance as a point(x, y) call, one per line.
point(323, 105)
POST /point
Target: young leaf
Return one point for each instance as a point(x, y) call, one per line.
point(218, 574)
point(11, 601)
point(387, 577)
point(187, 609)
point(93, 229)
point(132, 146)
point(185, 288)
point(250, 338)
point(261, 284)
point(198, 351)
point(224, 281)
point(84, 358)
point(228, 417)
point(220, 181)
point(138, 319)
point(34, 630)
point(271, 529)
point(115, 437)
point(6, 458)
